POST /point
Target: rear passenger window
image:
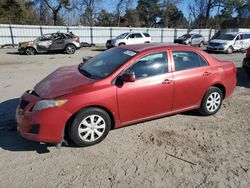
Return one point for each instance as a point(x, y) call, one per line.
point(187, 60)
point(150, 65)
point(246, 36)
point(146, 34)
point(138, 35)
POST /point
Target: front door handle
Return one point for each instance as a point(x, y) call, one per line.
point(167, 81)
point(206, 73)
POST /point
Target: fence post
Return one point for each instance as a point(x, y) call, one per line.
point(110, 32)
point(161, 34)
point(41, 30)
point(210, 33)
point(175, 33)
point(67, 29)
point(12, 37)
point(91, 35)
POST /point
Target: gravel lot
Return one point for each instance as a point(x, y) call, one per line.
point(183, 150)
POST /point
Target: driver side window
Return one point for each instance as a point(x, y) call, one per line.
point(150, 65)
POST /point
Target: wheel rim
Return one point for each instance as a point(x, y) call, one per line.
point(30, 51)
point(201, 44)
point(213, 102)
point(91, 128)
point(70, 49)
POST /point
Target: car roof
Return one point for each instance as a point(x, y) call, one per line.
point(152, 46)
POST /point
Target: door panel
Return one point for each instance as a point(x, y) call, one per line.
point(192, 77)
point(145, 97)
point(152, 92)
point(190, 86)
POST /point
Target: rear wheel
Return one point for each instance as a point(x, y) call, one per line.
point(30, 51)
point(90, 127)
point(70, 49)
point(211, 102)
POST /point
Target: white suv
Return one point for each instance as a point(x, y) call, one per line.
point(129, 38)
point(229, 42)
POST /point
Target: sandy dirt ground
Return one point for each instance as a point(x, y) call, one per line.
point(183, 150)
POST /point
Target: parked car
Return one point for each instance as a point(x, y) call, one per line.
point(67, 42)
point(129, 38)
point(229, 42)
point(191, 39)
point(246, 62)
point(122, 86)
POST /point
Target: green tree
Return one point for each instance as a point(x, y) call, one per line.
point(148, 11)
point(171, 16)
point(105, 19)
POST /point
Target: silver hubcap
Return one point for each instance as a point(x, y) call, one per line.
point(213, 102)
point(30, 51)
point(91, 128)
point(70, 50)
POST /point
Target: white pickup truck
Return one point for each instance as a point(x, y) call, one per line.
point(129, 38)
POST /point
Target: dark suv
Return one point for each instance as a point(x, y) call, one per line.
point(67, 42)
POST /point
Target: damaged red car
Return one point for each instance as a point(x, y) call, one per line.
point(122, 86)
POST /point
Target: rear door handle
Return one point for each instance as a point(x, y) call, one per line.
point(206, 73)
point(167, 81)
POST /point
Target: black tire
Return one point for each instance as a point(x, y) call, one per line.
point(122, 43)
point(78, 123)
point(70, 49)
point(230, 50)
point(206, 110)
point(30, 51)
point(147, 42)
point(201, 44)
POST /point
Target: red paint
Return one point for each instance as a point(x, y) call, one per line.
point(133, 102)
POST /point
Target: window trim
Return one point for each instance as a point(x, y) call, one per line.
point(173, 62)
point(147, 54)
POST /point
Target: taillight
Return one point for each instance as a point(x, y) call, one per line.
point(77, 40)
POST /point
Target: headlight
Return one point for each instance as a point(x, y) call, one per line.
point(225, 43)
point(42, 104)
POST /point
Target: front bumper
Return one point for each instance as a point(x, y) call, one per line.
point(216, 48)
point(109, 45)
point(46, 125)
point(180, 41)
point(21, 50)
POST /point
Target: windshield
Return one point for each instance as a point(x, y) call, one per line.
point(226, 37)
point(122, 36)
point(106, 63)
point(185, 36)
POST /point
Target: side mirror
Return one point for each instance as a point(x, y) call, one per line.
point(85, 59)
point(128, 77)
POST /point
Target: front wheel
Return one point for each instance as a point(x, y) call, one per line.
point(211, 102)
point(90, 126)
point(201, 44)
point(30, 51)
point(70, 49)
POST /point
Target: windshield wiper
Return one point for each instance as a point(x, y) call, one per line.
point(84, 72)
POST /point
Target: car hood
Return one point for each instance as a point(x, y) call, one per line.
point(219, 41)
point(63, 81)
point(28, 43)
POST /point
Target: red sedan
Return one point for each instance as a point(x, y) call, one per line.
point(123, 86)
